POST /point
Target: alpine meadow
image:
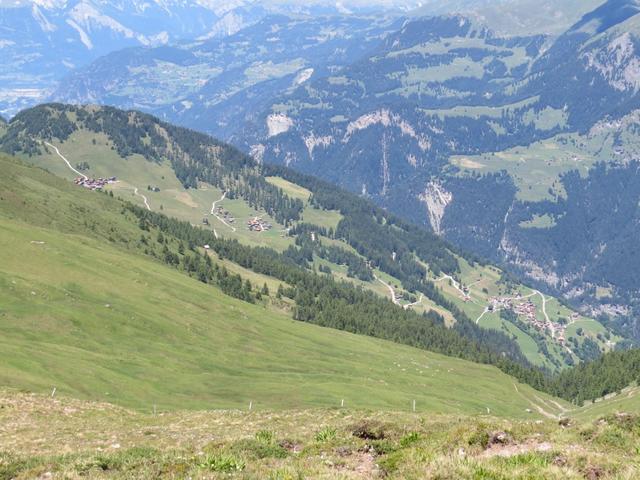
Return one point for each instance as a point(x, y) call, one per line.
point(319, 240)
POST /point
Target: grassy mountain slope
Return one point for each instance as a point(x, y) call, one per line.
point(628, 400)
point(106, 151)
point(83, 310)
point(111, 442)
point(398, 120)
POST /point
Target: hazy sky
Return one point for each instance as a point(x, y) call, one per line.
point(346, 3)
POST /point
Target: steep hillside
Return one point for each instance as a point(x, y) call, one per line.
point(445, 115)
point(314, 225)
point(88, 308)
point(430, 118)
point(109, 442)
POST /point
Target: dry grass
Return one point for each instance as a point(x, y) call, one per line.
point(44, 437)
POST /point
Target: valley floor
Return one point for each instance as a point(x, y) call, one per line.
point(45, 437)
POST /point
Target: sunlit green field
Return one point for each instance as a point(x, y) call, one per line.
point(536, 169)
point(195, 205)
point(86, 314)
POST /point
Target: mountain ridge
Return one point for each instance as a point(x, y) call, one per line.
point(358, 236)
point(177, 248)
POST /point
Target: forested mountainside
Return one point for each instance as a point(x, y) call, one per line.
point(281, 239)
point(493, 141)
point(107, 304)
point(284, 281)
point(314, 225)
point(111, 301)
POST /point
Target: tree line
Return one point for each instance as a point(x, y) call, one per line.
point(323, 301)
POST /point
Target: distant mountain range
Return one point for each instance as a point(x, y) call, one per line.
point(472, 132)
point(448, 122)
point(44, 40)
point(317, 226)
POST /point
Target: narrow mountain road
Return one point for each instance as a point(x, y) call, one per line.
point(394, 299)
point(66, 161)
point(213, 206)
point(552, 326)
point(213, 212)
point(146, 202)
point(544, 305)
point(456, 285)
point(135, 190)
point(484, 312)
point(408, 306)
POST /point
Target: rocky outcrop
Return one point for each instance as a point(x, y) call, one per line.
point(436, 198)
point(312, 142)
point(278, 123)
point(617, 63)
point(387, 119)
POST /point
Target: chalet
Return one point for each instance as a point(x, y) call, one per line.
point(257, 224)
point(94, 183)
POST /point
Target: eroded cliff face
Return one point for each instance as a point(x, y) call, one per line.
point(436, 199)
point(617, 62)
point(387, 119)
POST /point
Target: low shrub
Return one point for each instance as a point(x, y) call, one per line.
point(222, 463)
point(258, 449)
point(326, 434)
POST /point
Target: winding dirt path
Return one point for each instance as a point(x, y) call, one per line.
point(544, 306)
point(485, 311)
point(456, 285)
point(66, 161)
point(213, 212)
point(418, 302)
point(394, 298)
point(213, 205)
point(146, 202)
point(135, 189)
point(537, 407)
point(552, 325)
